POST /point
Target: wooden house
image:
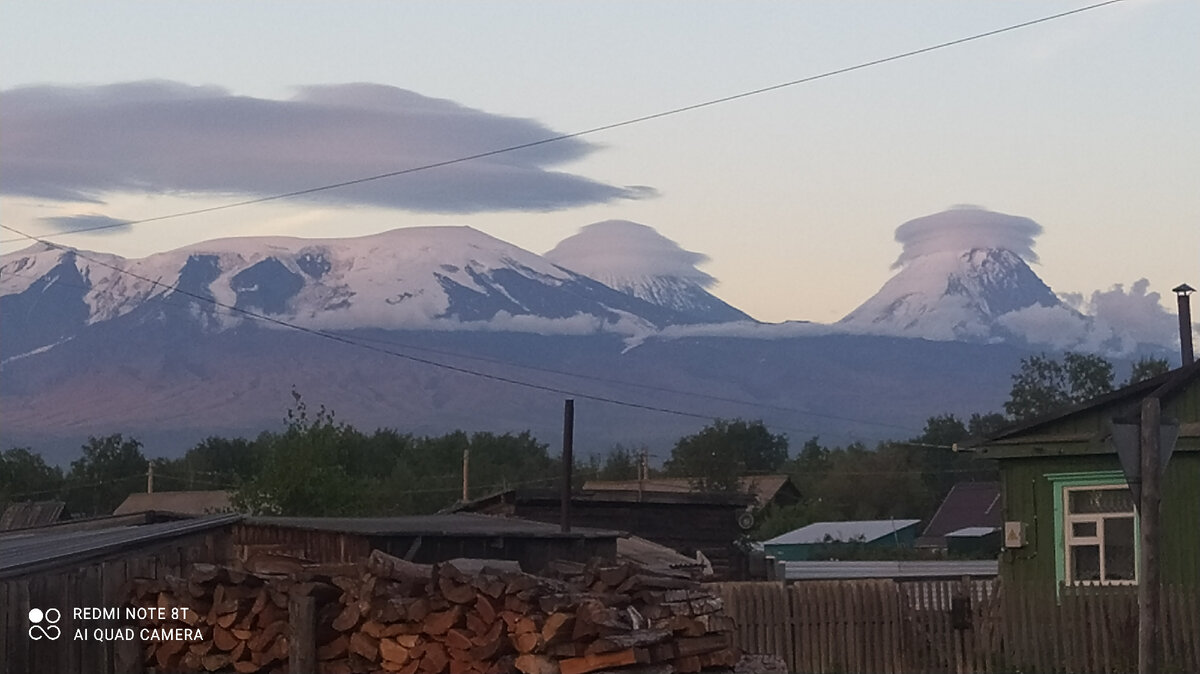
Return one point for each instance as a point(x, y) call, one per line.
point(1068, 512)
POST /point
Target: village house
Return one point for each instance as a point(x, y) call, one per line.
point(1068, 511)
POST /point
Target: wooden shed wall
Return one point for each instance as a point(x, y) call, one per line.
point(101, 583)
point(1029, 497)
point(312, 544)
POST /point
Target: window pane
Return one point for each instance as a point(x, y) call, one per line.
point(1118, 548)
point(1085, 562)
point(1083, 529)
point(1101, 501)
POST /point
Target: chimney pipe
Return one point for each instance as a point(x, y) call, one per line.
point(1185, 323)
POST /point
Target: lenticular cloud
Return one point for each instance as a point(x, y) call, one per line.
point(963, 228)
point(624, 249)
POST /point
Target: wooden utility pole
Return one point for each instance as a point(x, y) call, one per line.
point(568, 459)
point(466, 471)
point(1148, 515)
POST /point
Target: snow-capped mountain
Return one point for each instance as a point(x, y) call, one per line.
point(953, 295)
point(637, 260)
point(439, 278)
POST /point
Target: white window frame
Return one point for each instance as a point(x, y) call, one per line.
point(1070, 540)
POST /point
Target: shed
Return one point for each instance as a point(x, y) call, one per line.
point(424, 538)
point(975, 542)
point(1068, 511)
point(967, 505)
point(821, 538)
point(688, 522)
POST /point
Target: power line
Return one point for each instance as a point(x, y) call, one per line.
point(577, 375)
point(586, 132)
point(351, 342)
point(425, 361)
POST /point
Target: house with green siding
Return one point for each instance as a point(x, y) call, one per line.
point(1069, 516)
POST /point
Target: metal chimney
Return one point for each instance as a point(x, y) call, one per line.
point(1185, 322)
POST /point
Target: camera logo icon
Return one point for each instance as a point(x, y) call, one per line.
point(43, 624)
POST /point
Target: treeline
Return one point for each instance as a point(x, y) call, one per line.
point(319, 466)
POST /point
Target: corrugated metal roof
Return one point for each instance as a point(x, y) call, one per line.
point(24, 553)
point(31, 514)
point(972, 532)
point(453, 524)
point(890, 569)
point(863, 531)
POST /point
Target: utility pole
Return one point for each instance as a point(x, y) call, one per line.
point(466, 471)
point(1148, 516)
point(568, 460)
point(150, 478)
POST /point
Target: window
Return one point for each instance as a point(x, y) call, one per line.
point(1099, 535)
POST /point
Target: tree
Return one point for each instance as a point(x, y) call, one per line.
point(110, 469)
point(723, 451)
point(1147, 368)
point(25, 476)
point(307, 469)
point(620, 463)
point(1044, 384)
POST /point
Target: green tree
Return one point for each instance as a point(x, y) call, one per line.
point(1044, 384)
point(725, 450)
point(214, 463)
point(308, 470)
point(25, 476)
point(1147, 367)
point(620, 463)
point(985, 425)
point(111, 468)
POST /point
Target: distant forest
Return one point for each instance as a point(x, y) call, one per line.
point(318, 466)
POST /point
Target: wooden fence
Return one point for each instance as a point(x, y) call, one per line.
point(956, 626)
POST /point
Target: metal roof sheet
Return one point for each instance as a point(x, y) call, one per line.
point(863, 531)
point(890, 569)
point(30, 514)
point(451, 524)
point(25, 552)
point(972, 532)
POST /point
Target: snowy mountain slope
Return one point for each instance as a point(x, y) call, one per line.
point(953, 295)
point(637, 260)
point(441, 278)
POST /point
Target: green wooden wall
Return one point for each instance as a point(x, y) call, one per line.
point(1029, 498)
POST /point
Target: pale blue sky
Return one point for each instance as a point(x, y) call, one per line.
point(1086, 124)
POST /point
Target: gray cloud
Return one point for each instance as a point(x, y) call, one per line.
point(81, 143)
point(963, 228)
point(71, 223)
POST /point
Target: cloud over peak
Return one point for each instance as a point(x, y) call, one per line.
point(620, 249)
point(963, 228)
point(82, 143)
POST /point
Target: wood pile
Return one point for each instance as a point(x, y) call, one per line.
point(459, 617)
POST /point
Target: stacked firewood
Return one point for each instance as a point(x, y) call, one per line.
point(458, 617)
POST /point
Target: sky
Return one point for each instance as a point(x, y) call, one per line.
point(1085, 125)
